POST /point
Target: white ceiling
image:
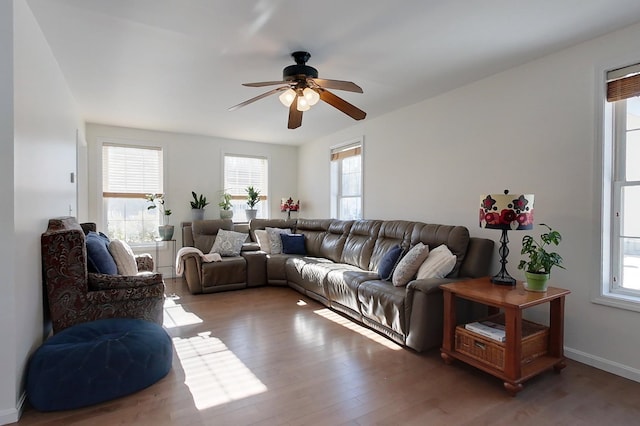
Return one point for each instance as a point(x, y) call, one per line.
point(178, 65)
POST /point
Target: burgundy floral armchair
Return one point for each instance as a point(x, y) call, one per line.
point(75, 295)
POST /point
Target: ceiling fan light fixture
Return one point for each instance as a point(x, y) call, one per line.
point(311, 96)
point(300, 84)
point(303, 104)
point(287, 97)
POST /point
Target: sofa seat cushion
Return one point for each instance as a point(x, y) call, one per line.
point(310, 272)
point(384, 303)
point(230, 270)
point(342, 286)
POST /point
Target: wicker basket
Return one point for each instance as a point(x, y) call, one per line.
point(535, 342)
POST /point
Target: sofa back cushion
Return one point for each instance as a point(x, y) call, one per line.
point(360, 242)
point(314, 230)
point(334, 240)
point(204, 232)
point(455, 237)
point(392, 233)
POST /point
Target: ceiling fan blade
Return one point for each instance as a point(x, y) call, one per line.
point(257, 98)
point(295, 116)
point(337, 84)
point(344, 106)
point(265, 83)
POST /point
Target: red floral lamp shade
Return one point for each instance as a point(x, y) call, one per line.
point(288, 205)
point(506, 211)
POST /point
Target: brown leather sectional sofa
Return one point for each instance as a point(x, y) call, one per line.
point(340, 270)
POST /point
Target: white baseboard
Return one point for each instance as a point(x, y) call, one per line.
point(12, 415)
point(603, 364)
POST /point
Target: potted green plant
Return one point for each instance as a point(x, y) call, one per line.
point(225, 206)
point(253, 198)
point(157, 201)
point(197, 206)
point(538, 268)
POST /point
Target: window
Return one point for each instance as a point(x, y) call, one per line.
point(241, 172)
point(346, 181)
point(621, 242)
point(128, 174)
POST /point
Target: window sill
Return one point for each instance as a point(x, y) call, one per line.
point(620, 301)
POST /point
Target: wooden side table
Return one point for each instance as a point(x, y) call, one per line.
point(512, 301)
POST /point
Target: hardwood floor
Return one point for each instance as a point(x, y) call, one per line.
point(269, 356)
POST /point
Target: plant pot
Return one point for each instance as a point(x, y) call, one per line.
point(197, 214)
point(251, 214)
point(226, 214)
point(536, 282)
point(166, 232)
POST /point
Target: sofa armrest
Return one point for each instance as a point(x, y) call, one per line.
point(98, 282)
point(192, 271)
point(477, 261)
point(127, 295)
point(467, 310)
point(429, 285)
point(256, 267)
point(144, 261)
point(250, 247)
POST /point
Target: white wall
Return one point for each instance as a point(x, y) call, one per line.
point(39, 149)
point(192, 163)
point(531, 129)
point(8, 367)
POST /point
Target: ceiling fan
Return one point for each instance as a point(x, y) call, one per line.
point(301, 88)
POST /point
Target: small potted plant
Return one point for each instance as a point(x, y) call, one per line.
point(225, 206)
point(253, 198)
point(538, 268)
point(157, 201)
point(197, 206)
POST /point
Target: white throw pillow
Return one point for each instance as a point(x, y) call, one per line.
point(124, 257)
point(263, 240)
point(409, 264)
point(274, 238)
point(228, 243)
point(438, 264)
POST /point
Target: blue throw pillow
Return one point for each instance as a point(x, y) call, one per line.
point(293, 244)
point(99, 258)
point(389, 262)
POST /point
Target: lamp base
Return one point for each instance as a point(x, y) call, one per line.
point(503, 277)
point(503, 280)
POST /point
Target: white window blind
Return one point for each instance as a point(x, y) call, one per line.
point(131, 171)
point(623, 83)
point(241, 172)
point(128, 174)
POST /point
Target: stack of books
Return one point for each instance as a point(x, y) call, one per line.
point(488, 329)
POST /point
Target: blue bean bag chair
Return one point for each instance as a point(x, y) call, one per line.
point(97, 361)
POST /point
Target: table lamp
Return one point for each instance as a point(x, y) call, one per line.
point(288, 205)
point(506, 212)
